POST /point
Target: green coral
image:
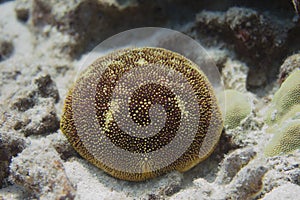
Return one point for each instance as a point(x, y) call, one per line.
point(283, 117)
point(237, 108)
point(285, 140)
point(285, 98)
point(293, 114)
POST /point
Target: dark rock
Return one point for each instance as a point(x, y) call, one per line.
point(46, 87)
point(257, 38)
point(10, 145)
point(43, 119)
point(288, 66)
point(36, 104)
point(22, 9)
point(233, 163)
point(6, 48)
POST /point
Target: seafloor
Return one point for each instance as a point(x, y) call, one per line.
point(255, 45)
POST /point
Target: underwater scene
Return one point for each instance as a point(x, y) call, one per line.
point(149, 100)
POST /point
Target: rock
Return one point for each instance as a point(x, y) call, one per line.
point(40, 170)
point(73, 26)
point(86, 177)
point(61, 145)
point(172, 189)
point(288, 66)
point(219, 56)
point(13, 192)
point(46, 87)
point(283, 168)
point(6, 48)
point(22, 9)
point(42, 119)
point(257, 38)
point(288, 191)
point(86, 182)
point(36, 106)
point(247, 183)
point(233, 163)
point(191, 194)
point(207, 188)
point(11, 143)
point(294, 175)
point(234, 75)
point(173, 184)
point(42, 87)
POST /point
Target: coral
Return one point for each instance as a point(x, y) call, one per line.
point(293, 114)
point(283, 117)
point(285, 140)
point(190, 88)
point(284, 99)
point(237, 107)
point(290, 64)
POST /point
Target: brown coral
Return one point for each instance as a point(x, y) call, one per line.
point(138, 80)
